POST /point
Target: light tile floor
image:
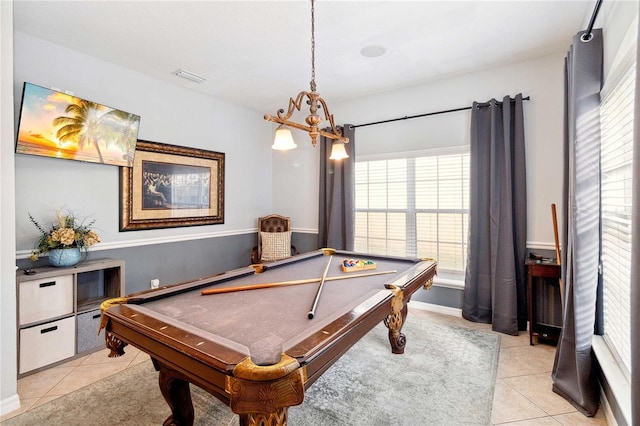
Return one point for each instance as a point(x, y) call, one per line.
point(523, 394)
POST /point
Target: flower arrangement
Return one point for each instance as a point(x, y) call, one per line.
point(66, 232)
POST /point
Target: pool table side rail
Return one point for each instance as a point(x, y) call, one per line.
point(369, 256)
point(412, 279)
point(201, 369)
point(209, 349)
point(183, 287)
point(338, 253)
point(293, 259)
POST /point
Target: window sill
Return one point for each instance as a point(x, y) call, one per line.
point(449, 282)
point(613, 373)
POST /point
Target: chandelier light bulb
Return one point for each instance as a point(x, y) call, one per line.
point(338, 152)
point(283, 139)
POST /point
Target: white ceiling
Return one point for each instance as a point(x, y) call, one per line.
point(258, 53)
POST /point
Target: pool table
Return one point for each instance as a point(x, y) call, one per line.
point(258, 350)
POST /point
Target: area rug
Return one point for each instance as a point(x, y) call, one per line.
point(445, 377)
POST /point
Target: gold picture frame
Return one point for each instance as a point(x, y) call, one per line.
point(170, 186)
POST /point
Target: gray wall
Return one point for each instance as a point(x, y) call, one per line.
point(442, 296)
point(181, 261)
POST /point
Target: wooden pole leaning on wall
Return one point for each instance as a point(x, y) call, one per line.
point(558, 259)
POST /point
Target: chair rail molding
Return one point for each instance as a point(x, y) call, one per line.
point(23, 254)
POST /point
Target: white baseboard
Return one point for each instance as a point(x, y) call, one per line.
point(10, 404)
point(617, 380)
point(606, 409)
point(445, 310)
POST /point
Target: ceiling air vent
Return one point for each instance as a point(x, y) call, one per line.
point(190, 76)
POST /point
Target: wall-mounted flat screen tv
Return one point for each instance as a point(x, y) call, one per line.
point(55, 124)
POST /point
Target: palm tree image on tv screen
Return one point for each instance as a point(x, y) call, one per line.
point(59, 125)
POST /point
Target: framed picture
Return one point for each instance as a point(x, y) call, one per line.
point(170, 186)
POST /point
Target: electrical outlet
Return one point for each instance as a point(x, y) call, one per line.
point(155, 283)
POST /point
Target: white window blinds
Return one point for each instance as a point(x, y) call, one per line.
point(616, 116)
point(415, 206)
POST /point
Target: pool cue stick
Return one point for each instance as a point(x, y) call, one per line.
point(312, 311)
point(292, 282)
point(558, 261)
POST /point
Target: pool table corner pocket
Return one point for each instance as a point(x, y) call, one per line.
point(260, 394)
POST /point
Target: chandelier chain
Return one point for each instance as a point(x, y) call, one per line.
point(313, 48)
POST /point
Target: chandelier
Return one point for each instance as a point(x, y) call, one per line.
point(283, 139)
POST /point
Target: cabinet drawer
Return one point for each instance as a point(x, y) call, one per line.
point(46, 343)
point(88, 337)
point(45, 298)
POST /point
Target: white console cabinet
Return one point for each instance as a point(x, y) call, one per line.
point(59, 310)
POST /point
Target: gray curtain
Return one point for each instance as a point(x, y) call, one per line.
point(495, 290)
point(336, 217)
point(573, 372)
point(635, 260)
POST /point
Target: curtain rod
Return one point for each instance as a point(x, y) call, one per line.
point(353, 126)
point(587, 35)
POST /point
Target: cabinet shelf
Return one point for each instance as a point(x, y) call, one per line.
point(58, 310)
point(47, 320)
point(544, 307)
point(91, 304)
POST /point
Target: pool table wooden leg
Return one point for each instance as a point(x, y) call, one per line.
point(395, 321)
point(277, 418)
point(175, 390)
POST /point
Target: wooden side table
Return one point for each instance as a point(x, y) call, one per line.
point(535, 272)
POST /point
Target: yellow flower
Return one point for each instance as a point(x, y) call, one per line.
point(65, 236)
point(91, 238)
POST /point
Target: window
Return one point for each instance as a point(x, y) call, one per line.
point(616, 117)
point(416, 206)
